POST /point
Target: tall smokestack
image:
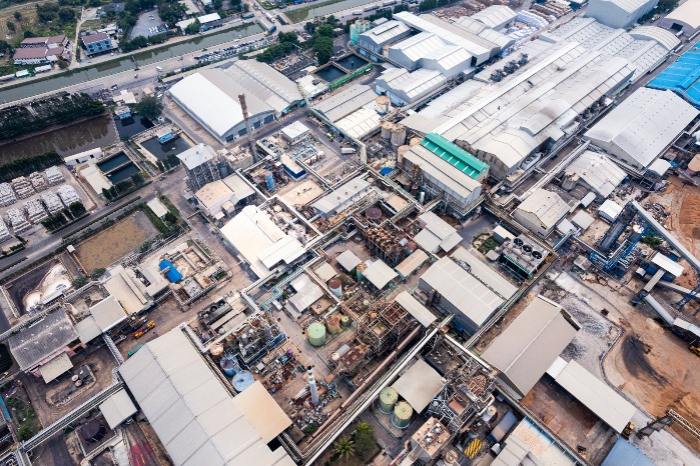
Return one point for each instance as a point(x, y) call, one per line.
point(248, 127)
point(313, 389)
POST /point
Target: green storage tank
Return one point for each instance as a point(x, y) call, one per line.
point(387, 399)
point(316, 334)
point(402, 415)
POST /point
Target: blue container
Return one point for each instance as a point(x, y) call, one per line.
point(243, 380)
point(230, 366)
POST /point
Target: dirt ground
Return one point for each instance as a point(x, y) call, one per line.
point(118, 240)
point(18, 288)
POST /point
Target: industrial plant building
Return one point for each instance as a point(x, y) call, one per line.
point(404, 87)
point(686, 18)
point(200, 165)
point(619, 13)
point(594, 171)
point(642, 127)
point(541, 212)
point(211, 97)
point(221, 198)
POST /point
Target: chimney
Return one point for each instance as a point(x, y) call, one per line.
point(248, 126)
point(313, 389)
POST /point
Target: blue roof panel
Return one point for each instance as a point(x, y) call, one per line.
point(625, 454)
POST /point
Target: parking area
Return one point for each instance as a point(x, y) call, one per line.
point(148, 24)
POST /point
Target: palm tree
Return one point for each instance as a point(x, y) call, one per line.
point(345, 448)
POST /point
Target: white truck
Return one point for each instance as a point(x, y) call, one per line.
point(348, 150)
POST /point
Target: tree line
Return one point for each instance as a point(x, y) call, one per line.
point(23, 167)
point(60, 219)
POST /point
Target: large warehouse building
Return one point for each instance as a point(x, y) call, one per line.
point(685, 18)
point(619, 13)
point(642, 127)
point(211, 97)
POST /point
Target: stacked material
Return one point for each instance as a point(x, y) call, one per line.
point(38, 181)
point(68, 194)
point(52, 202)
point(4, 232)
point(53, 176)
point(17, 220)
point(7, 195)
point(35, 211)
point(23, 187)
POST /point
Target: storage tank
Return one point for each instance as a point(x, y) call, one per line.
point(360, 269)
point(694, 166)
point(489, 414)
point(216, 350)
point(333, 324)
point(342, 351)
point(415, 141)
point(242, 380)
point(373, 213)
point(93, 431)
point(345, 321)
point(387, 126)
point(398, 135)
point(387, 399)
point(402, 415)
point(383, 103)
point(336, 286)
point(270, 180)
point(316, 334)
point(230, 366)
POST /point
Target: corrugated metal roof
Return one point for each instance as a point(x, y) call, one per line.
point(411, 85)
point(195, 417)
point(379, 274)
point(37, 342)
point(414, 307)
point(670, 266)
point(108, 313)
point(385, 33)
point(485, 273)
point(348, 191)
point(265, 82)
point(494, 16)
point(598, 171)
point(419, 385)
point(687, 13)
point(117, 409)
point(360, 123)
point(88, 329)
point(547, 206)
point(441, 171)
point(455, 155)
point(625, 454)
point(340, 105)
point(419, 46)
point(348, 260)
point(55, 367)
point(531, 343)
point(196, 156)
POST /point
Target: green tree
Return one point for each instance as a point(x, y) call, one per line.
point(107, 195)
point(173, 161)
point(160, 166)
point(18, 16)
point(323, 49)
point(124, 185)
point(149, 107)
point(193, 28)
point(114, 191)
point(290, 37)
point(97, 273)
point(80, 282)
point(5, 46)
point(66, 15)
point(325, 30)
point(137, 179)
point(77, 209)
point(344, 448)
point(25, 432)
point(170, 217)
point(365, 441)
point(10, 26)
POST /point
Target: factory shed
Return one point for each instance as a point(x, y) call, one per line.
point(593, 393)
point(55, 367)
point(531, 343)
point(379, 274)
point(266, 83)
point(609, 210)
point(325, 271)
point(596, 171)
point(127, 289)
point(484, 273)
point(405, 87)
point(411, 263)
point(342, 197)
point(419, 385)
point(415, 308)
point(157, 206)
point(624, 453)
point(359, 123)
point(436, 234)
point(308, 293)
point(88, 329)
point(376, 38)
point(670, 266)
point(108, 313)
point(455, 156)
point(42, 341)
point(643, 126)
point(260, 241)
point(348, 260)
point(194, 416)
point(619, 13)
point(541, 211)
point(117, 408)
point(685, 17)
point(338, 106)
point(460, 293)
point(495, 16)
point(582, 219)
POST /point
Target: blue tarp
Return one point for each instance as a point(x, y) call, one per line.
point(173, 275)
point(385, 171)
point(624, 454)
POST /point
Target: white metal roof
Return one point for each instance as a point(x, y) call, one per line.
point(196, 156)
point(665, 38)
point(660, 166)
point(39, 341)
point(117, 408)
point(531, 343)
point(547, 206)
point(209, 18)
point(260, 241)
point(462, 290)
point(195, 417)
point(416, 47)
point(108, 313)
point(55, 367)
point(447, 235)
point(88, 329)
point(442, 172)
point(295, 130)
point(485, 273)
point(610, 208)
point(308, 293)
point(265, 82)
point(348, 100)
point(157, 206)
point(419, 385)
point(411, 263)
point(598, 171)
point(384, 33)
point(415, 308)
point(643, 125)
point(360, 122)
point(494, 16)
point(411, 85)
point(596, 395)
point(241, 189)
point(428, 240)
point(687, 13)
point(379, 274)
point(348, 260)
point(325, 271)
point(670, 266)
point(583, 219)
point(338, 197)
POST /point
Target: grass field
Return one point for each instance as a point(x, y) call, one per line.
point(300, 14)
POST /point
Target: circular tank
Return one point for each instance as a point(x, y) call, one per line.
point(336, 286)
point(93, 431)
point(361, 267)
point(387, 399)
point(230, 366)
point(333, 324)
point(373, 213)
point(242, 380)
point(489, 414)
point(387, 126)
point(216, 349)
point(402, 415)
point(316, 334)
point(342, 351)
point(398, 135)
point(345, 321)
point(694, 166)
point(383, 103)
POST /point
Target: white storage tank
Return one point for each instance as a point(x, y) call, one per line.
point(387, 126)
point(398, 135)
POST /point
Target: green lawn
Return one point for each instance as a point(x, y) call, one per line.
point(300, 14)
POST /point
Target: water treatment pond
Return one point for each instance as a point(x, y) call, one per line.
point(352, 62)
point(175, 146)
point(330, 73)
point(131, 126)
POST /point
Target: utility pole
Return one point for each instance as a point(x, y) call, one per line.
point(248, 126)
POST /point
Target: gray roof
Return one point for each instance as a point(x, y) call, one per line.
point(268, 84)
point(485, 274)
point(348, 260)
point(336, 198)
point(117, 408)
point(196, 156)
point(419, 385)
point(547, 206)
point(531, 343)
point(193, 414)
point(108, 313)
point(598, 171)
point(342, 104)
point(36, 343)
point(415, 308)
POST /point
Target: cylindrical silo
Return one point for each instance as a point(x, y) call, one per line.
point(336, 286)
point(489, 413)
point(402, 415)
point(333, 324)
point(342, 351)
point(694, 166)
point(230, 366)
point(400, 154)
point(387, 126)
point(216, 350)
point(316, 334)
point(242, 380)
point(387, 399)
point(398, 135)
point(383, 103)
point(359, 270)
point(345, 321)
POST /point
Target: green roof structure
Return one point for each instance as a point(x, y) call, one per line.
point(455, 156)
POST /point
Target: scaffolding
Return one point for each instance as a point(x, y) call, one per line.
point(381, 331)
point(384, 245)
